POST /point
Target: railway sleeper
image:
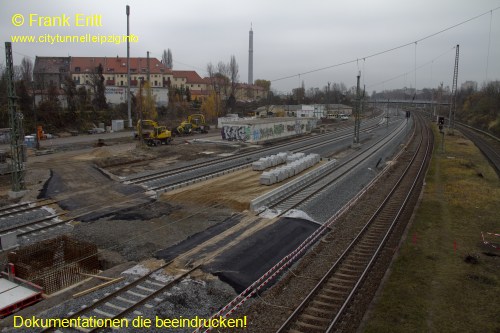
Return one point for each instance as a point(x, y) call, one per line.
point(360, 254)
point(354, 267)
point(337, 286)
point(346, 273)
point(363, 252)
point(373, 237)
point(333, 291)
point(326, 298)
point(323, 305)
point(340, 281)
point(357, 260)
point(313, 318)
point(309, 327)
point(294, 331)
point(368, 247)
point(380, 226)
point(311, 309)
point(387, 215)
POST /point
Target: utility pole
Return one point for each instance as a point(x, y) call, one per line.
point(453, 105)
point(387, 115)
point(357, 118)
point(148, 74)
point(328, 100)
point(16, 127)
point(129, 106)
point(37, 139)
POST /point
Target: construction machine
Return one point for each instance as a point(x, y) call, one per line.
point(185, 128)
point(152, 133)
point(198, 123)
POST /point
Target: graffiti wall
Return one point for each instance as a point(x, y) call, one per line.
point(261, 131)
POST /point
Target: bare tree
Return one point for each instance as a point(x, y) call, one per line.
point(211, 75)
point(167, 59)
point(26, 70)
point(170, 60)
point(164, 57)
point(233, 73)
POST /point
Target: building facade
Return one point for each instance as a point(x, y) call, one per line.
point(54, 71)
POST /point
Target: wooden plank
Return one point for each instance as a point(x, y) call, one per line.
point(102, 285)
point(98, 277)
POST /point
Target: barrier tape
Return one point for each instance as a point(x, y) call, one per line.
point(287, 260)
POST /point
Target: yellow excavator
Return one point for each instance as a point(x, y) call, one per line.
point(152, 133)
point(198, 123)
point(185, 128)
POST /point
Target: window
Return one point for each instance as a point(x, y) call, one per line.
point(77, 69)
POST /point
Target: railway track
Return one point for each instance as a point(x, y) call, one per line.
point(127, 298)
point(324, 309)
point(49, 218)
point(22, 207)
point(193, 172)
point(236, 304)
point(204, 175)
point(489, 148)
point(322, 181)
point(29, 217)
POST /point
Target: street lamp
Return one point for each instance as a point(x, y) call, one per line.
point(37, 142)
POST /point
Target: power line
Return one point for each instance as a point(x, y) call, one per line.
point(409, 72)
point(388, 50)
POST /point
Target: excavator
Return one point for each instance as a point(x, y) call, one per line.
point(194, 123)
point(152, 133)
point(185, 128)
point(198, 123)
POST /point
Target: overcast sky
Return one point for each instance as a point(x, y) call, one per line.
point(291, 37)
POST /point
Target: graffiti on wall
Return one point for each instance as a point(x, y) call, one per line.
point(235, 133)
point(260, 133)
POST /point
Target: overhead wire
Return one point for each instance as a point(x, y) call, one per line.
point(388, 50)
point(410, 72)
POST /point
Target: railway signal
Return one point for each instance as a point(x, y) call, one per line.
point(441, 123)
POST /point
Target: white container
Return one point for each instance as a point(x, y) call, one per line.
point(117, 125)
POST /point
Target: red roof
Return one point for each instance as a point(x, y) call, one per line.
point(191, 77)
point(117, 65)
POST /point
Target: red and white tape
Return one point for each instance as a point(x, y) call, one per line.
point(273, 271)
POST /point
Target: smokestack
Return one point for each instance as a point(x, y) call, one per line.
point(250, 56)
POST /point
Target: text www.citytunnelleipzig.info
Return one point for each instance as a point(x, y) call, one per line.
point(84, 38)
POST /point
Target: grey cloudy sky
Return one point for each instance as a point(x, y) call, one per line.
point(291, 37)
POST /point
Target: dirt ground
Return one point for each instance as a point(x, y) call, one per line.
point(76, 179)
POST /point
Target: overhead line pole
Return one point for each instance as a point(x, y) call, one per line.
point(357, 118)
point(453, 105)
point(129, 106)
point(16, 127)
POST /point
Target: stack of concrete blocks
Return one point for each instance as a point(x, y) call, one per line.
point(296, 166)
point(269, 161)
point(294, 157)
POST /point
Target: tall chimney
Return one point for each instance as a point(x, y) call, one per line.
point(250, 56)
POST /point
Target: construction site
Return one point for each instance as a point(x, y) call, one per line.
point(86, 182)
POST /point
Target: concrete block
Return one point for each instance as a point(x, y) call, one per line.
point(8, 240)
point(267, 178)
